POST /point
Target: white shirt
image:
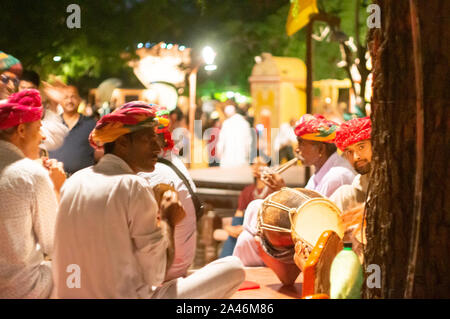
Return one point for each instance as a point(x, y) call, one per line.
point(246, 248)
point(336, 172)
point(233, 146)
point(28, 208)
point(107, 227)
point(54, 130)
point(185, 232)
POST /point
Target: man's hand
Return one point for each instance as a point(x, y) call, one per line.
point(56, 172)
point(234, 231)
point(287, 273)
point(274, 181)
point(171, 208)
point(301, 255)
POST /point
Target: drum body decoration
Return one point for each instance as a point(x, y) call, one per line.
point(296, 216)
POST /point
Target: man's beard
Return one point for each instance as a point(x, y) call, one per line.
point(363, 169)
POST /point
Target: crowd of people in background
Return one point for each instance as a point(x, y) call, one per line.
point(109, 193)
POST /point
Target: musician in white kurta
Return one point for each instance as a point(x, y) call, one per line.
point(185, 232)
point(107, 227)
point(110, 240)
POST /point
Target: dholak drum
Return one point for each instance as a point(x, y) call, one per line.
point(313, 218)
point(295, 216)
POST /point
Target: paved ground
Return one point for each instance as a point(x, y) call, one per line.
point(270, 286)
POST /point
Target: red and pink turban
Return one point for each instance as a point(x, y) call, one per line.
point(352, 132)
point(21, 107)
point(316, 128)
point(130, 117)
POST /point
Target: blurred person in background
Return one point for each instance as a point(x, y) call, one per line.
point(52, 126)
point(233, 147)
point(76, 152)
point(10, 71)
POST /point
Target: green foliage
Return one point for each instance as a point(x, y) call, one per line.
point(239, 30)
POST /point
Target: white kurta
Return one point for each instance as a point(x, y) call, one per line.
point(336, 172)
point(107, 227)
point(185, 233)
point(28, 208)
point(234, 143)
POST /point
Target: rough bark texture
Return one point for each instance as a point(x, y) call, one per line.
point(391, 192)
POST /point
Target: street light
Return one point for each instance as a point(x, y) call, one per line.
point(208, 55)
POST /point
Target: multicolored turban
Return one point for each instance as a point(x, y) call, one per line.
point(21, 107)
point(130, 117)
point(10, 63)
point(163, 129)
point(352, 132)
point(316, 128)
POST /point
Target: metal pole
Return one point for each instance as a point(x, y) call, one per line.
point(192, 108)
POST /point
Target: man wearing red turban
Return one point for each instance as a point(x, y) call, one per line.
point(110, 226)
point(353, 138)
point(28, 202)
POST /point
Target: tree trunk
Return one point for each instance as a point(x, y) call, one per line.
point(391, 200)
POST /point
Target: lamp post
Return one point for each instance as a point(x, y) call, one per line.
point(208, 56)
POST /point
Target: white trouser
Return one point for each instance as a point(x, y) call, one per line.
point(219, 279)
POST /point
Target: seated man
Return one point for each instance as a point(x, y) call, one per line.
point(28, 204)
point(257, 190)
point(315, 136)
point(110, 229)
point(165, 172)
point(353, 138)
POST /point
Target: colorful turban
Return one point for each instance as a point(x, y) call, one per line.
point(10, 63)
point(163, 129)
point(316, 128)
point(21, 107)
point(130, 117)
point(353, 131)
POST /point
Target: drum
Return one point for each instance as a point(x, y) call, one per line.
point(296, 216)
point(274, 215)
point(313, 218)
point(316, 268)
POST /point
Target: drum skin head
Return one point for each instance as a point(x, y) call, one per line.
point(277, 217)
point(313, 218)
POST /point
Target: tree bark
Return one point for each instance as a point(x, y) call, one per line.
point(390, 204)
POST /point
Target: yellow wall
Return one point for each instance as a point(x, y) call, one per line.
point(293, 102)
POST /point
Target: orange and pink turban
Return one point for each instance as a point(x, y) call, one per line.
point(352, 132)
point(130, 117)
point(21, 107)
point(316, 128)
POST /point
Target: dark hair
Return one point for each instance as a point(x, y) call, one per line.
point(178, 112)
point(31, 76)
point(330, 148)
point(109, 147)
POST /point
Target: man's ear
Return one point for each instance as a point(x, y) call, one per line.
point(21, 130)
